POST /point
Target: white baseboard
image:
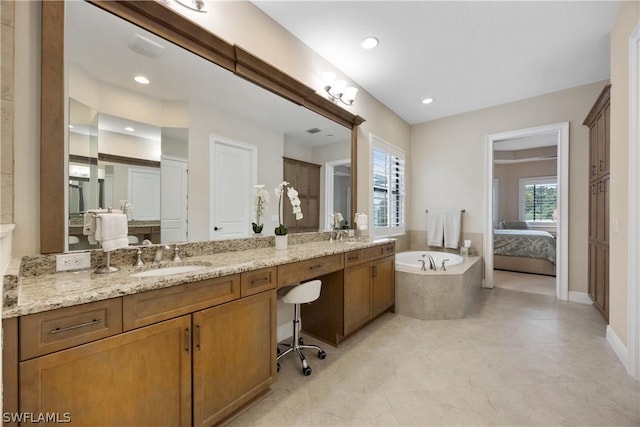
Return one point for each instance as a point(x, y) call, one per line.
point(618, 347)
point(580, 297)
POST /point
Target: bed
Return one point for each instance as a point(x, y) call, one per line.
point(524, 250)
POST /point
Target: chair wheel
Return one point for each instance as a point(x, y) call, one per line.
point(278, 367)
point(300, 341)
point(306, 371)
point(322, 355)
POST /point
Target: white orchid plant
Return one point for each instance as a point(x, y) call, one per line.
point(292, 194)
point(260, 203)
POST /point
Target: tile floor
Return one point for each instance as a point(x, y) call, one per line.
point(517, 359)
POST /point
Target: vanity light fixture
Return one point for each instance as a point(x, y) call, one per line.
point(129, 129)
point(195, 5)
point(338, 90)
point(427, 101)
point(369, 43)
point(142, 80)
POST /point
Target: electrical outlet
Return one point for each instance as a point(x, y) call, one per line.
point(78, 261)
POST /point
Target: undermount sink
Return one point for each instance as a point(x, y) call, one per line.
point(167, 271)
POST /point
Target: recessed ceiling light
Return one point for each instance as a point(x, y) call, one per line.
point(142, 80)
point(129, 129)
point(369, 43)
point(427, 101)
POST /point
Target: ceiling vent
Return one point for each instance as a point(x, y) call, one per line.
point(313, 130)
point(145, 47)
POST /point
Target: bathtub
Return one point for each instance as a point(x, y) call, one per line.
point(436, 295)
point(411, 262)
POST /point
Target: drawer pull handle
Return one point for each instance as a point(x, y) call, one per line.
point(198, 344)
point(352, 258)
point(260, 281)
point(313, 267)
point(80, 325)
point(187, 340)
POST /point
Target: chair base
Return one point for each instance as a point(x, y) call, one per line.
point(297, 345)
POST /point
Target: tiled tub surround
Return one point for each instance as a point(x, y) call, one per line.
point(39, 289)
point(439, 295)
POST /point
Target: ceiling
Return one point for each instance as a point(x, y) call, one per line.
point(464, 55)
point(178, 75)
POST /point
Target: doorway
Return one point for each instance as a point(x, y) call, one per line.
point(559, 133)
point(337, 190)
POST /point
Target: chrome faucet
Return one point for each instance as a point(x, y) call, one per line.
point(160, 253)
point(432, 262)
point(340, 234)
point(443, 267)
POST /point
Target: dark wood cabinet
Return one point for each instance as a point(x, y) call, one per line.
point(599, 160)
point(305, 178)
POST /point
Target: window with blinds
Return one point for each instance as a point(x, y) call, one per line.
point(539, 199)
point(388, 165)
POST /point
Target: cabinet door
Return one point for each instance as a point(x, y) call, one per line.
point(357, 296)
point(234, 355)
point(593, 210)
point(383, 284)
point(142, 377)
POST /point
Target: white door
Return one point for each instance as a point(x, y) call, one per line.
point(233, 175)
point(173, 206)
point(144, 194)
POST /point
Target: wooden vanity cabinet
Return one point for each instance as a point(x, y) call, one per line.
point(193, 362)
point(349, 300)
point(234, 357)
point(135, 378)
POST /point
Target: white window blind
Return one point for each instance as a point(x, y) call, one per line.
point(388, 192)
point(538, 199)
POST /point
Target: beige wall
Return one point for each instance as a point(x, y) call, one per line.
point(448, 163)
point(628, 18)
point(509, 183)
point(6, 111)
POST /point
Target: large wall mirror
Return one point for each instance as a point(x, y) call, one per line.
point(182, 152)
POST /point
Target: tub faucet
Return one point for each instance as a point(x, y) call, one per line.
point(160, 253)
point(422, 268)
point(432, 262)
point(443, 267)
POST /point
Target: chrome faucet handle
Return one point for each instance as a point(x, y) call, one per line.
point(423, 267)
point(176, 257)
point(138, 262)
point(443, 267)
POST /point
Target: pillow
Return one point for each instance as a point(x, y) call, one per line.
point(515, 225)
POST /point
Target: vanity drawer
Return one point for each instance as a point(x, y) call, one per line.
point(289, 274)
point(253, 282)
point(155, 306)
point(352, 258)
point(55, 330)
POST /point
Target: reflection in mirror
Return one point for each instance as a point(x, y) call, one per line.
point(193, 103)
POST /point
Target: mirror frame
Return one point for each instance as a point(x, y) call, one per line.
point(177, 29)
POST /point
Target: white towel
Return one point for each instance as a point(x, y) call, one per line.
point(435, 227)
point(111, 231)
point(362, 221)
point(452, 228)
point(89, 226)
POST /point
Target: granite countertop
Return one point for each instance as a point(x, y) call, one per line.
point(64, 289)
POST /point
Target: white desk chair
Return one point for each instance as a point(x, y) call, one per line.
point(300, 294)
